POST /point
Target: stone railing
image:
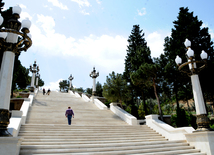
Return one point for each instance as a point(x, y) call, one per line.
point(85, 98)
point(166, 130)
point(18, 117)
point(128, 118)
point(100, 104)
point(203, 140)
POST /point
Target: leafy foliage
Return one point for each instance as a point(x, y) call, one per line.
point(115, 88)
point(99, 89)
point(64, 85)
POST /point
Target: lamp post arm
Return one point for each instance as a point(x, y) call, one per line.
point(193, 70)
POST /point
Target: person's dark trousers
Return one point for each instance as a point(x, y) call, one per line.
point(69, 119)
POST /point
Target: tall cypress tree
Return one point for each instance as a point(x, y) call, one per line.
point(186, 26)
point(137, 54)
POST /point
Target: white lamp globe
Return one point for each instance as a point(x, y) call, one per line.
point(203, 55)
point(16, 9)
point(178, 60)
point(190, 53)
point(26, 23)
point(187, 43)
point(3, 35)
point(1, 20)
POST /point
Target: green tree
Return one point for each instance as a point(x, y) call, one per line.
point(41, 82)
point(99, 89)
point(149, 74)
point(79, 90)
point(137, 54)
point(64, 84)
point(89, 91)
point(115, 88)
point(186, 26)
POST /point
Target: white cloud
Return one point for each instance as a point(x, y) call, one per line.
point(211, 32)
point(47, 23)
point(52, 85)
point(142, 12)
point(22, 6)
point(58, 4)
point(98, 1)
point(82, 2)
point(25, 15)
point(106, 51)
point(84, 12)
point(155, 41)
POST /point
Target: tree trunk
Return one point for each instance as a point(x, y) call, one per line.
point(144, 103)
point(121, 104)
point(156, 95)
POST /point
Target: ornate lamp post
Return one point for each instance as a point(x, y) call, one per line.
point(202, 119)
point(37, 79)
point(34, 69)
point(12, 42)
point(70, 79)
point(94, 75)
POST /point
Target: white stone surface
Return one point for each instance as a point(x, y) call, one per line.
point(10, 145)
point(18, 118)
point(33, 79)
point(202, 140)
point(37, 81)
point(166, 130)
point(128, 118)
point(25, 107)
point(198, 97)
point(71, 92)
point(85, 98)
point(77, 94)
point(94, 84)
point(6, 79)
point(100, 105)
point(31, 97)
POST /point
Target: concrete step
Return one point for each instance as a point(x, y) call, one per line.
point(139, 144)
point(113, 150)
point(93, 131)
point(104, 142)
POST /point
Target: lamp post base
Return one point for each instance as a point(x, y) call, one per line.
point(31, 89)
point(4, 121)
point(93, 93)
point(203, 123)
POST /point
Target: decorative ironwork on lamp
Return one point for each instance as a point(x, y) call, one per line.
point(12, 41)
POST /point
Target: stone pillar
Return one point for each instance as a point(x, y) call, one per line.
point(37, 81)
point(94, 75)
point(198, 97)
point(6, 75)
point(94, 86)
point(34, 69)
point(33, 79)
point(201, 113)
point(70, 82)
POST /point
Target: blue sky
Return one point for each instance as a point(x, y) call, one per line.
point(73, 36)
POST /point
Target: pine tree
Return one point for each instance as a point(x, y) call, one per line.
point(186, 26)
point(137, 53)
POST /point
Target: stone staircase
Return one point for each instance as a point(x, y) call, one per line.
point(93, 131)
